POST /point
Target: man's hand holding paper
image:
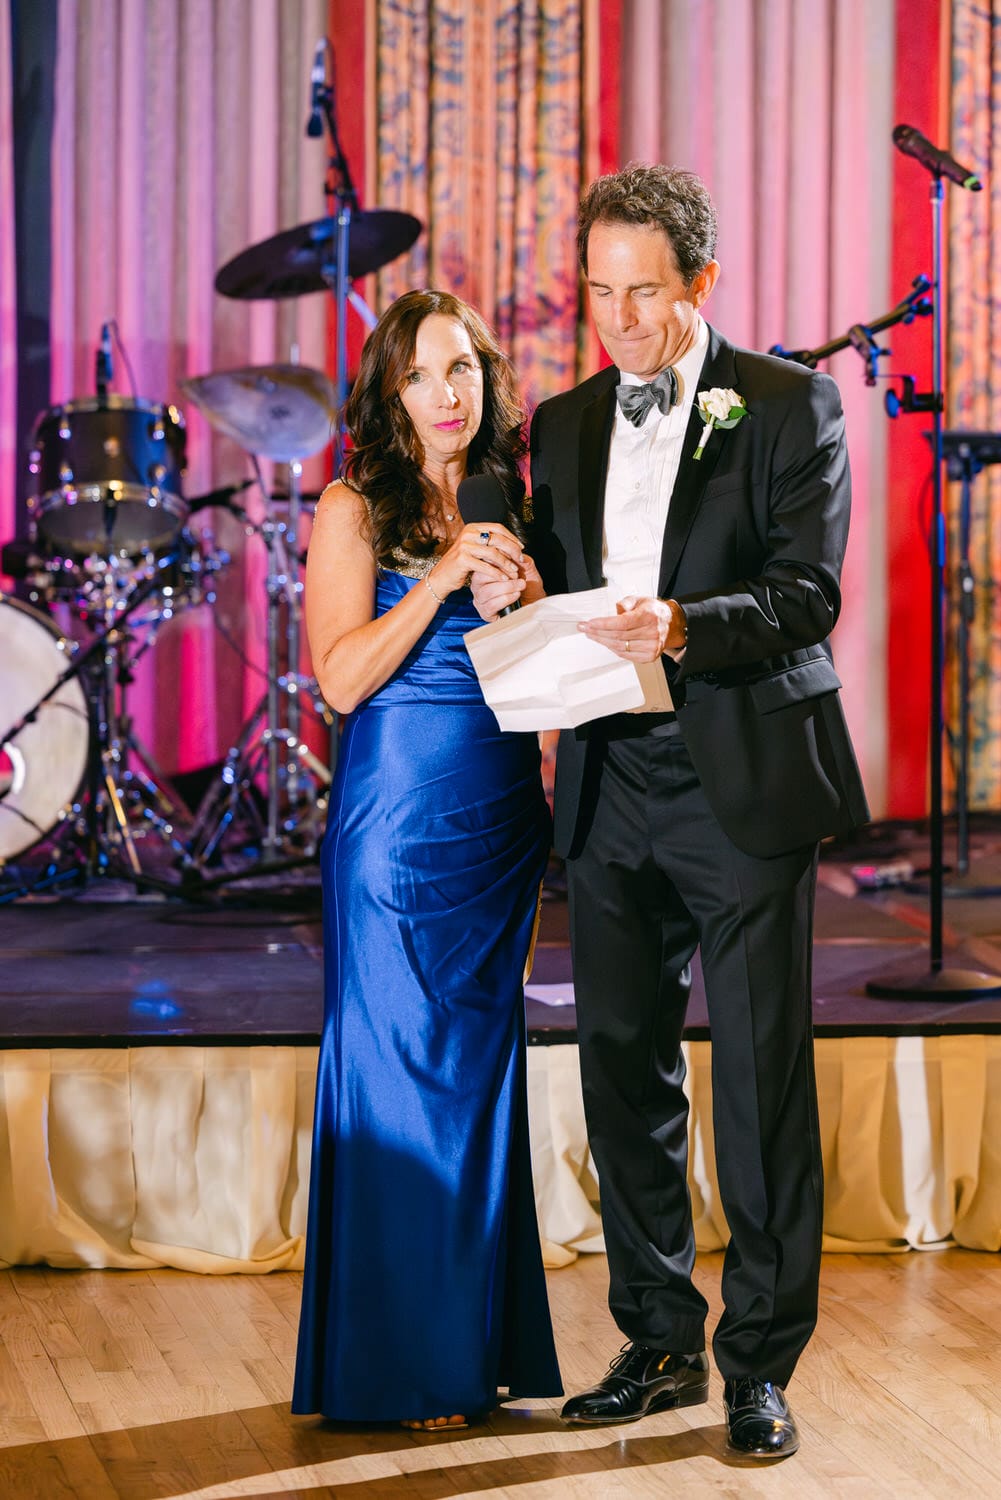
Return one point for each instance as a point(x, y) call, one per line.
point(642, 630)
point(538, 670)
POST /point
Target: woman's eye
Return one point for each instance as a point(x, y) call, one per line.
point(413, 377)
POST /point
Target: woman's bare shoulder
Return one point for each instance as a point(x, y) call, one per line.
point(340, 497)
point(341, 508)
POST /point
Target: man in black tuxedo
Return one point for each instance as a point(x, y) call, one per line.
point(694, 822)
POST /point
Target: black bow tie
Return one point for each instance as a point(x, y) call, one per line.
point(637, 400)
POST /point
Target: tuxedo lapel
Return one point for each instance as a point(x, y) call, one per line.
point(718, 369)
point(596, 423)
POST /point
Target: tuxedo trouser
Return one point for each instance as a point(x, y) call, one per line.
point(656, 879)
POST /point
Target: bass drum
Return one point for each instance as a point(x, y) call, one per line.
point(42, 767)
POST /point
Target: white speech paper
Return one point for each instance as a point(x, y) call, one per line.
point(538, 671)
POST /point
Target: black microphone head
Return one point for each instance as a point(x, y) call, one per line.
point(902, 133)
point(481, 497)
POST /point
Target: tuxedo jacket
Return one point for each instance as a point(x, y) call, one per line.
point(752, 549)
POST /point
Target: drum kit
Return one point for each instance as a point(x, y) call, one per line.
point(111, 549)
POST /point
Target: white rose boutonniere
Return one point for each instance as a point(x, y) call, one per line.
point(718, 408)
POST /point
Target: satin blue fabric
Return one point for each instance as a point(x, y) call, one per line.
point(423, 1289)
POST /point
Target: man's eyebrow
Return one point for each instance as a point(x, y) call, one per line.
point(636, 286)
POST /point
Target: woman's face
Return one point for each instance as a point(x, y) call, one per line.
point(442, 391)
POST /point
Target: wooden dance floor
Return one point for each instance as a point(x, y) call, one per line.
point(161, 1385)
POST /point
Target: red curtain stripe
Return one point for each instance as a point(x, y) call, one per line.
point(919, 100)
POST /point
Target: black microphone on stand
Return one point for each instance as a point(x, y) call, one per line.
point(912, 143)
point(102, 363)
point(481, 499)
point(318, 82)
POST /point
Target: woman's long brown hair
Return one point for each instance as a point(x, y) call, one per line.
point(385, 461)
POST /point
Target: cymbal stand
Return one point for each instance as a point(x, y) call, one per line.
point(283, 586)
point(342, 201)
point(270, 743)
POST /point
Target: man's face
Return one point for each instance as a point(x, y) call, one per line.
point(642, 309)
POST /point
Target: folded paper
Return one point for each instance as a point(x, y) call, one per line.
point(538, 671)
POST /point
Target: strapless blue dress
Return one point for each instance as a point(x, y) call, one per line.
point(423, 1291)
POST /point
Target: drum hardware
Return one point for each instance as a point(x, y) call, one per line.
point(328, 254)
point(230, 802)
point(284, 413)
point(132, 781)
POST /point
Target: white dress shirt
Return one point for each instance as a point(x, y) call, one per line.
point(643, 465)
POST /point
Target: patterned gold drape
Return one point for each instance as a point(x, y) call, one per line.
point(487, 118)
point(974, 375)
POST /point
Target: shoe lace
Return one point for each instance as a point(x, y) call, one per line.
point(748, 1390)
point(630, 1356)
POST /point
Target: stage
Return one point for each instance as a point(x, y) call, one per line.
point(158, 1059)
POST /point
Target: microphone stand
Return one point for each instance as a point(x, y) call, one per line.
point(936, 981)
point(342, 201)
point(860, 335)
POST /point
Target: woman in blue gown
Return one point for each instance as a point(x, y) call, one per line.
point(423, 1292)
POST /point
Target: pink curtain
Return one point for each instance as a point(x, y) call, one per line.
point(8, 293)
point(178, 142)
point(784, 107)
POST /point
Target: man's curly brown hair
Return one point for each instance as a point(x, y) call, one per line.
point(655, 197)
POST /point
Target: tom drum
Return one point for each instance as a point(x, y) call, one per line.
point(108, 476)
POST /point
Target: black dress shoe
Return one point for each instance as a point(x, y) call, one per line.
point(758, 1418)
point(640, 1381)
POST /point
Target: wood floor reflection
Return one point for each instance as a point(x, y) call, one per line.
point(159, 1385)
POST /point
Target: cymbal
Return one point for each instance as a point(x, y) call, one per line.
point(304, 259)
point(282, 412)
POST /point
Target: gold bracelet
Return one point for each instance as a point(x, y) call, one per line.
point(436, 597)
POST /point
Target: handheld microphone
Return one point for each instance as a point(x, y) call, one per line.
point(481, 499)
point(103, 370)
point(912, 143)
point(318, 82)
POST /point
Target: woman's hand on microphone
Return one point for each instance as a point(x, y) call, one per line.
point(498, 558)
point(491, 595)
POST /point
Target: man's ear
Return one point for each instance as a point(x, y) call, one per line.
point(704, 281)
